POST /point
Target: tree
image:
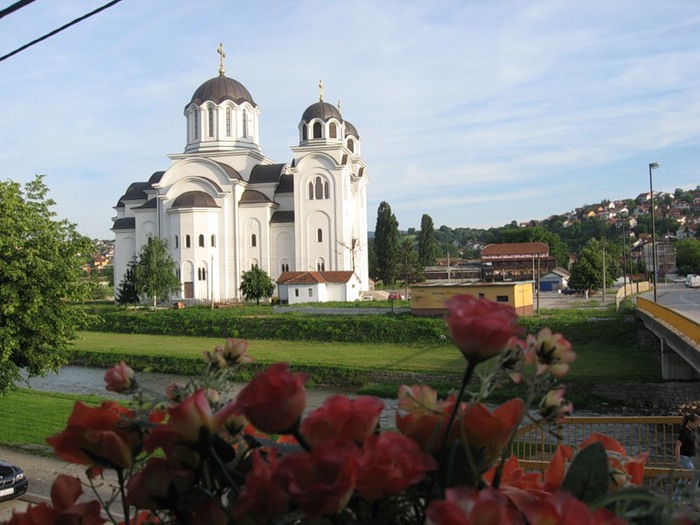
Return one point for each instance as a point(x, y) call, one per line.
point(386, 243)
point(126, 292)
point(408, 266)
point(688, 256)
point(40, 273)
point(255, 284)
point(587, 271)
point(155, 271)
point(426, 242)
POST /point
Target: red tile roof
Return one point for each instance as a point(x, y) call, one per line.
point(525, 249)
point(314, 277)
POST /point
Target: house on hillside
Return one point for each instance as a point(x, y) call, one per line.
point(318, 287)
point(518, 261)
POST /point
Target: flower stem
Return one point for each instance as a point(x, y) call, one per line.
point(300, 438)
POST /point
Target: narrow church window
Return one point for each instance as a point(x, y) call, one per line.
point(319, 188)
point(325, 190)
point(351, 145)
point(304, 132)
point(202, 274)
point(244, 132)
point(318, 130)
point(188, 242)
point(201, 240)
point(319, 235)
point(285, 267)
point(296, 292)
point(196, 123)
point(211, 121)
point(177, 273)
point(333, 130)
point(321, 265)
point(177, 241)
point(311, 190)
point(213, 241)
point(253, 240)
point(228, 122)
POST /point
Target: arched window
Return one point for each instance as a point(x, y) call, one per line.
point(319, 235)
point(188, 241)
point(213, 241)
point(211, 121)
point(177, 272)
point(253, 240)
point(325, 189)
point(244, 132)
point(318, 130)
point(196, 123)
point(177, 241)
point(228, 122)
point(319, 188)
point(201, 240)
point(311, 190)
point(333, 130)
point(351, 145)
point(285, 267)
point(304, 132)
point(320, 265)
point(202, 274)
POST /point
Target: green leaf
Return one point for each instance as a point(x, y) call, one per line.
point(587, 478)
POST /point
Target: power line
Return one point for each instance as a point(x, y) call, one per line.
point(15, 7)
point(56, 31)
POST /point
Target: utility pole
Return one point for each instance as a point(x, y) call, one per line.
point(537, 284)
point(624, 258)
point(448, 267)
point(604, 273)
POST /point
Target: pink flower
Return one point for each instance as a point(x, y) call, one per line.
point(339, 416)
point(120, 378)
point(321, 481)
point(480, 328)
point(554, 353)
point(274, 400)
point(554, 407)
point(390, 463)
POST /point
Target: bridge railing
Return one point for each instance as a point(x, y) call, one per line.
point(534, 445)
point(686, 326)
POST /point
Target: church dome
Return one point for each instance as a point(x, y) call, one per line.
point(321, 110)
point(222, 88)
point(194, 199)
point(351, 130)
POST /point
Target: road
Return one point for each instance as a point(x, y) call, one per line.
point(677, 296)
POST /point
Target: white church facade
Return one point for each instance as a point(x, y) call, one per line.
point(224, 207)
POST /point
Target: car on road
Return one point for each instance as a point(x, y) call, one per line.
point(13, 482)
point(395, 296)
point(568, 291)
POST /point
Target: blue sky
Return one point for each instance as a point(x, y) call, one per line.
point(475, 112)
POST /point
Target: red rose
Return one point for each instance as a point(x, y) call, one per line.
point(320, 481)
point(120, 378)
point(64, 510)
point(389, 463)
point(98, 436)
point(339, 416)
point(480, 328)
point(274, 400)
point(159, 485)
point(463, 506)
point(262, 499)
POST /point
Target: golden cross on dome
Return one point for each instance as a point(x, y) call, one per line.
point(320, 87)
point(220, 50)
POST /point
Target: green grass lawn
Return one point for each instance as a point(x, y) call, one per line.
point(594, 362)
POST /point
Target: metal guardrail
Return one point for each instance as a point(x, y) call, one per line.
point(534, 444)
point(682, 324)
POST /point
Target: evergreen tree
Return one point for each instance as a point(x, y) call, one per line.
point(155, 271)
point(126, 291)
point(256, 284)
point(386, 243)
point(40, 274)
point(427, 248)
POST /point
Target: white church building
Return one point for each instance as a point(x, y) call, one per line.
point(224, 207)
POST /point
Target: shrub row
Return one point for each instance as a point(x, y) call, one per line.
point(578, 327)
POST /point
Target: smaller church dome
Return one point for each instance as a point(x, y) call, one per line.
point(321, 110)
point(222, 88)
point(194, 199)
point(351, 130)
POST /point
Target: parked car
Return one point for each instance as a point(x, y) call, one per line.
point(395, 296)
point(13, 482)
point(568, 291)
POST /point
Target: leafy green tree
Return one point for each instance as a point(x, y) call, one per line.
point(97, 290)
point(126, 291)
point(408, 267)
point(386, 243)
point(155, 271)
point(688, 256)
point(40, 273)
point(427, 250)
point(256, 284)
point(587, 271)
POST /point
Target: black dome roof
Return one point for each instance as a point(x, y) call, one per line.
point(321, 110)
point(194, 199)
point(222, 88)
point(351, 130)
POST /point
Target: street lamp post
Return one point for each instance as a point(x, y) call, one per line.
point(624, 256)
point(653, 166)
